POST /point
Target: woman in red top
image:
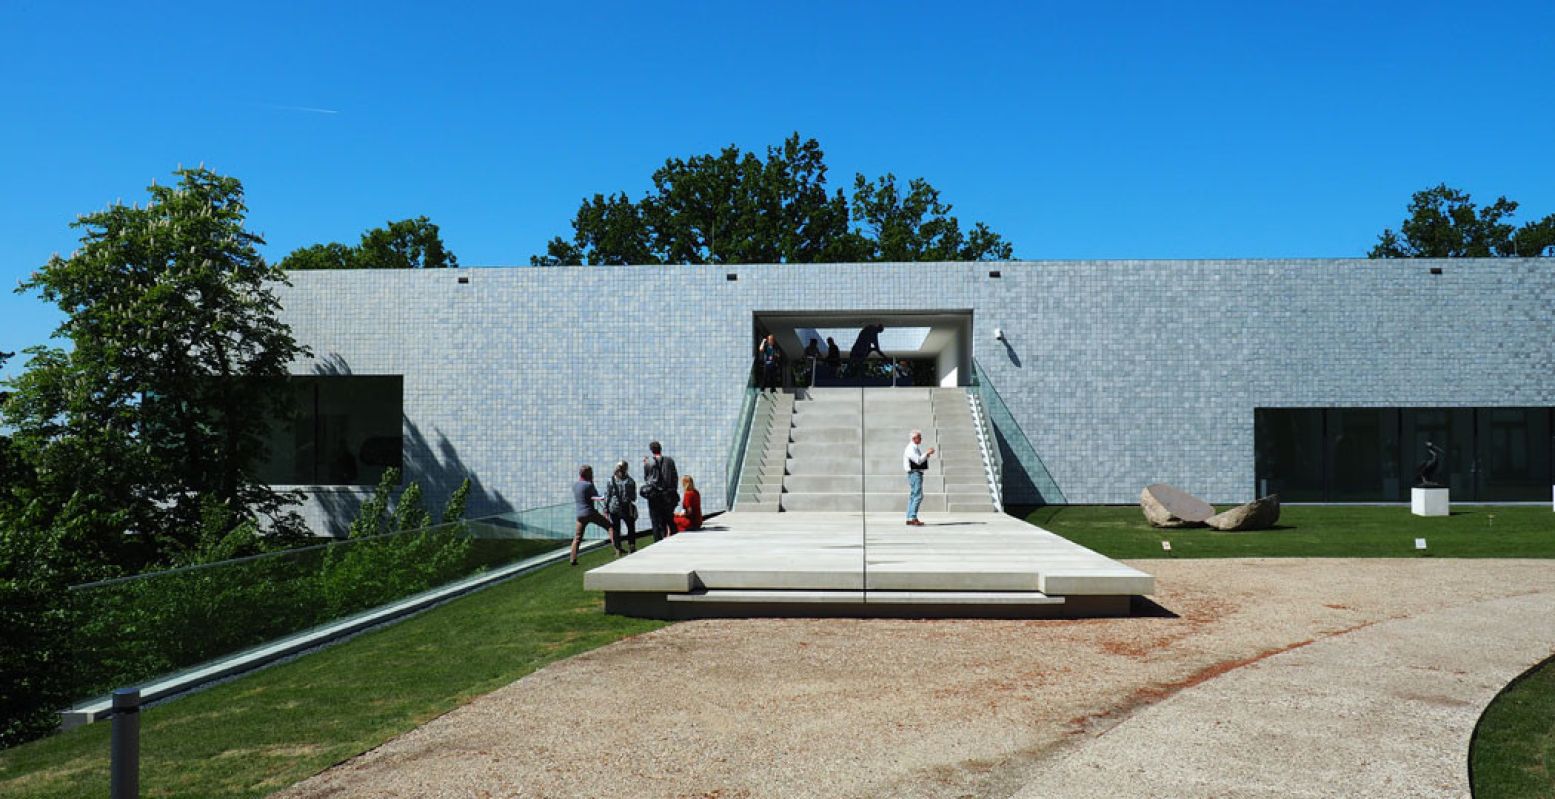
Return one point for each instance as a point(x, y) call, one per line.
point(689, 517)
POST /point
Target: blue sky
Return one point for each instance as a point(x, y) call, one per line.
point(1083, 130)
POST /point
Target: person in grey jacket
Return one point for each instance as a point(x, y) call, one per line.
point(621, 504)
point(660, 481)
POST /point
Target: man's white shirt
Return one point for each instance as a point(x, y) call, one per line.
point(913, 454)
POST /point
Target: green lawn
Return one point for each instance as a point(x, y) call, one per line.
point(280, 725)
point(1514, 748)
point(1305, 531)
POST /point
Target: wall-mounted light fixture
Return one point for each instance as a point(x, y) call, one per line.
point(998, 334)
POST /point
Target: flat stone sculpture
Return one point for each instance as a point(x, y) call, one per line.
point(1166, 506)
point(1260, 514)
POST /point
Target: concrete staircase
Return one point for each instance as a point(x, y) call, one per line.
point(840, 449)
point(766, 454)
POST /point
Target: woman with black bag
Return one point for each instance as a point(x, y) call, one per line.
point(621, 504)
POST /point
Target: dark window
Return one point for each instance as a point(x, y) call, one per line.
point(1372, 454)
point(1451, 430)
point(1513, 454)
point(345, 431)
point(1289, 446)
point(1363, 455)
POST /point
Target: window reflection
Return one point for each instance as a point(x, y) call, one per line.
point(1370, 454)
point(345, 430)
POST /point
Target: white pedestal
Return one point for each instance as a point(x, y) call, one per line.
point(1429, 502)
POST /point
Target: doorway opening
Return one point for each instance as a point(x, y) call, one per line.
point(874, 349)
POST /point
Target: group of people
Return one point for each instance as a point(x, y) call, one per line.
point(619, 518)
point(769, 357)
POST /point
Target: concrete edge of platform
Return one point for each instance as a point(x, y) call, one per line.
point(655, 605)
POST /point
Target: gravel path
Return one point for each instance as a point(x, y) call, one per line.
point(789, 708)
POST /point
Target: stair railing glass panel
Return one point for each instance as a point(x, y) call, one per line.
point(1022, 470)
point(738, 443)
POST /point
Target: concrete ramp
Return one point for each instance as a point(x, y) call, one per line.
point(850, 564)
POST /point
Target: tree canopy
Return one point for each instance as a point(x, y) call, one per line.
point(736, 207)
point(406, 244)
point(142, 438)
point(1444, 222)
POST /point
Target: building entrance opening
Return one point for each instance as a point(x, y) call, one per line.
point(870, 349)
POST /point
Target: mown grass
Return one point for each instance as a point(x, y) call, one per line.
point(270, 729)
point(1308, 531)
point(1514, 747)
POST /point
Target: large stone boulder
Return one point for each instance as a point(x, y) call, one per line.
point(1166, 506)
point(1260, 514)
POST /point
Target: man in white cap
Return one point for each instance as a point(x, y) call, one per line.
point(916, 461)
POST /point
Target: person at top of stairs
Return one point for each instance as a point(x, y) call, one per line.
point(767, 356)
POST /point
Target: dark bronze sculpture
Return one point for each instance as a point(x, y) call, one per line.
point(1425, 473)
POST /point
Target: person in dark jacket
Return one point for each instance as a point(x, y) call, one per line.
point(768, 357)
point(833, 358)
point(659, 481)
point(812, 358)
point(621, 504)
point(868, 342)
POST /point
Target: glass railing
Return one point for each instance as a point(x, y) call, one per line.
point(1023, 477)
point(148, 627)
point(739, 442)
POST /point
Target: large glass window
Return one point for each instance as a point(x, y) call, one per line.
point(1513, 453)
point(1289, 444)
point(1452, 431)
point(1363, 455)
point(1372, 454)
point(345, 430)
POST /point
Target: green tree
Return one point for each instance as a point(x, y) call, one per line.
point(918, 226)
point(737, 207)
point(1444, 222)
point(157, 414)
point(406, 244)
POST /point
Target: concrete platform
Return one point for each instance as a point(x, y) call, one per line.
point(851, 564)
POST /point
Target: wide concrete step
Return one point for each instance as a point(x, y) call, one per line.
point(852, 464)
point(889, 437)
point(871, 448)
point(853, 483)
point(952, 474)
point(756, 596)
point(906, 418)
point(884, 502)
point(888, 392)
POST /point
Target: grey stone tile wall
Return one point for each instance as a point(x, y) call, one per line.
point(1121, 373)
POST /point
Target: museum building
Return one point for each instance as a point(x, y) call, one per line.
point(1321, 380)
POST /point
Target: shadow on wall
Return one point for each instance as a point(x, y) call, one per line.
point(1010, 352)
point(432, 461)
point(1019, 487)
point(435, 465)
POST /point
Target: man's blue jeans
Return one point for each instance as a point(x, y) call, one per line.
point(914, 493)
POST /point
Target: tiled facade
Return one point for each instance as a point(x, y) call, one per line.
point(1121, 373)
